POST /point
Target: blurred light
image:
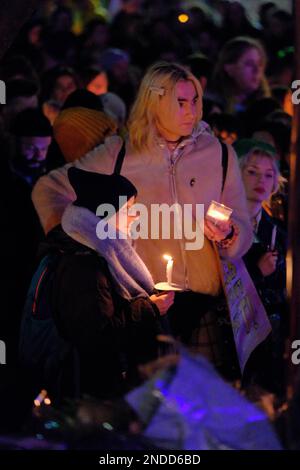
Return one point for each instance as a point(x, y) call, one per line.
point(51, 425)
point(107, 426)
point(40, 398)
point(183, 18)
point(47, 401)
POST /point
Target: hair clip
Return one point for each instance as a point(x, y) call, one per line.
point(156, 89)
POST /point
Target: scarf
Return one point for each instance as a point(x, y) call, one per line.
point(130, 274)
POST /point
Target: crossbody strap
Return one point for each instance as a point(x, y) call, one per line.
point(224, 163)
point(120, 159)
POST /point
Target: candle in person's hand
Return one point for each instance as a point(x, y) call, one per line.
point(218, 212)
point(273, 239)
point(169, 269)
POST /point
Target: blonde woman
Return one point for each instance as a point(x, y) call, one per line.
point(171, 157)
point(239, 76)
point(265, 260)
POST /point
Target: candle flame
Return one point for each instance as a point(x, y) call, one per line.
point(167, 257)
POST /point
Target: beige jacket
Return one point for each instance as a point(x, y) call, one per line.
point(194, 176)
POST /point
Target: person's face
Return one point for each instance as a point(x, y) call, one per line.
point(120, 70)
point(34, 150)
point(34, 35)
point(100, 36)
point(180, 123)
point(125, 217)
point(247, 72)
point(259, 178)
point(99, 84)
point(64, 86)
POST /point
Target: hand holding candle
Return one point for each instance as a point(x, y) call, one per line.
point(218, 212)
point(217, 225)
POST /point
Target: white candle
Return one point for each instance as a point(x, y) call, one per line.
point(273, 239)
point(169, 269)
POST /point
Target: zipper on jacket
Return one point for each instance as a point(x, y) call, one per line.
point(175, 198)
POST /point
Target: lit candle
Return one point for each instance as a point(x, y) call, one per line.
point(273, 239)
point(169, 268)
point(217, 211)
point(215, 214)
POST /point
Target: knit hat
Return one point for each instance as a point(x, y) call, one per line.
point(79, 130)
point(112, 56)
point(31, 123)
point(84, 99)
point(244, 146)
point(93, 189)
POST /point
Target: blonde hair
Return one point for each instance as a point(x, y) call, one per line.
point(231, 52)
point(278, 178)
point(159, 81)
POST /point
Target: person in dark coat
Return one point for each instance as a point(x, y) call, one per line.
point(103, 301)
point(23, 159)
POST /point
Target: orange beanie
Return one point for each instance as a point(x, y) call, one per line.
point(78, 130)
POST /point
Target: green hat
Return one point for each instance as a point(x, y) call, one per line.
point(244, 146)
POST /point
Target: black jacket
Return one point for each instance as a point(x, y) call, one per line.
point(111, 334)
point(272, 289)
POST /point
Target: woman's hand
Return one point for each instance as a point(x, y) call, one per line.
point(218, 231)
point(267, 263)
point(163, 301)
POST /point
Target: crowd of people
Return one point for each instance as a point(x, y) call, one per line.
point(161, 111)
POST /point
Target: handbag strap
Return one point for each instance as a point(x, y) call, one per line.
point(120, 159)
point(224, 162)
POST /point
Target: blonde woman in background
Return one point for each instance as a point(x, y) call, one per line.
point(265, 260)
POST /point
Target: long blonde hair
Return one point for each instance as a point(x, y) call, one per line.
point(159, 81)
